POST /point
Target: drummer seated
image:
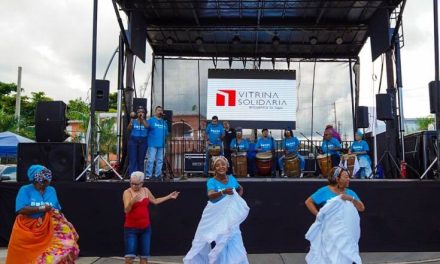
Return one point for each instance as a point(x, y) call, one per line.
point(239, 144)
point(361, 149)
point(291, 145)
point(330, 146)
point(266, 144)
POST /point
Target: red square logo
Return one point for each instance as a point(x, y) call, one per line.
point(225, 98)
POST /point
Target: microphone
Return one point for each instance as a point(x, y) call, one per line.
point(318, 133)
point(304, 136)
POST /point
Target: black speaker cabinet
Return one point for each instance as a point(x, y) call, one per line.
point(102, 89)
point(362, 117)
point(168, 116)
point(50, 121)
point(384, 109)
point(139, 102)
point(433, 97)
point(65, 160)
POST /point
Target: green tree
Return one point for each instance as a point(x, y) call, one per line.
point(113, 101)
point(107, 137)
point(424, 122)
point(7, 88)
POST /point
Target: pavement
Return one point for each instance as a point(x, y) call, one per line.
point(283, 258)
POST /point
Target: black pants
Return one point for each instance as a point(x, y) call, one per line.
point(227, 153)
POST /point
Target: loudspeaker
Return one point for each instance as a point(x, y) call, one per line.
point(433, 97)
point(362, 117)
point(65, 160)
point(50, 121)
point(384, 109)
point(138, 34)
point(139, 102)
point(102, 89)
point(378, 28)
point(420, 152)
point(168, 116)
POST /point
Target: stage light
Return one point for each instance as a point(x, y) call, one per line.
point(339, 40)
point(199, 41)
point(276, 40)
point(236, 40)
point(313, 40)
point(169, 41)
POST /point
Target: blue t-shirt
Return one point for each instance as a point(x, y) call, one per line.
point(328, 146)
point(359, 146)
point(29, 196)
point(265, 144)
point(323, 194)
point(157, 132)
point(138, 129)
point(291, 145)
point(216, 186)
point(215, 133)
point(243, 146)
point(251, 152)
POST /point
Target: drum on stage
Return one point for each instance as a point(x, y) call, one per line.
point(349, 161)
point(239, 164)
point(264, 161)
point(291, 165)
point(325, 164)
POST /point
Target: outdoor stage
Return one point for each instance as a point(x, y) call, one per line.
point(401, 215)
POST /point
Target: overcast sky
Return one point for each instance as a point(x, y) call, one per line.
point(51, 40)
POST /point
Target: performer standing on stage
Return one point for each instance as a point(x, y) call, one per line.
point(218, 236)
point(229, 135)
point(291, 145)
point(137, 229)
point(337, 221)
point(214, 133)
point(266, 144)
point(137, 144)
point(361, 149)
point(157, 133)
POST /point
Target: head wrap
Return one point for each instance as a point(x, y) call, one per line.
point(217, 159)
point(39, 173)
point(239, 130)
point(337, 172)
point(359, 133)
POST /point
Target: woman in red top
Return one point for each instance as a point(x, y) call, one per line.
point(137, 230)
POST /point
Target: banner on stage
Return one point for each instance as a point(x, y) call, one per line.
point(253, 98)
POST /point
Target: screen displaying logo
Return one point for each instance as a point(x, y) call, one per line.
point(225, 98)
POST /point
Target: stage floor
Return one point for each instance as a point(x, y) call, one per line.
point(400, 216)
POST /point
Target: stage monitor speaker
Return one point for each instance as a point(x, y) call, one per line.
point(433, 97)
point(420, 152)
point(384, 109)
point(362, 120)
point(168, 116)
point(102, 89)
point(378, 28)
point(65, 160)
point(50, 121)
point(140, 102)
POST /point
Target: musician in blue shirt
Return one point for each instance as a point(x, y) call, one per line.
point(137, 144)
point(361, 149)
point(266, 144)
point(331, 146)
point(157, 134)
point(290, 145)
point(214, 134)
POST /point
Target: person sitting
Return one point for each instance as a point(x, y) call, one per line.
point(361, 149)
point(137, 229)
point(291, 145)
point(41, 233)
point(239, 144)
point(266, 144)
point(334, 133)
point(331, 146)
point(214, 133)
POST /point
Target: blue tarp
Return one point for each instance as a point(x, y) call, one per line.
point(9, 142)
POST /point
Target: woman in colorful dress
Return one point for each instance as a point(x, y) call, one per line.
point(41, 234)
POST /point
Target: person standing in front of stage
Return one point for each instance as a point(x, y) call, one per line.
point(137, 228)
point(41, 233)
point(218, 237)
point(229, 135)
point(266, 144)
point(331, 146)
point(137, 144)
point(214, 133)
point(361, 149)
point(337, 220)
point(291, 145)
point(157, 133)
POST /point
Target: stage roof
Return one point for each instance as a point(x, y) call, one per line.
point(257, 28)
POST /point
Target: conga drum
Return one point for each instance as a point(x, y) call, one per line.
point(239, 164)
point(264, 163)
point(213, 151)
point(291, 165)
point(349, 161)
point(325, 164)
